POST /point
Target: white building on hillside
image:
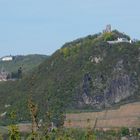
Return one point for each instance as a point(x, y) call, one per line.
point(120, 40)
point(7, 58)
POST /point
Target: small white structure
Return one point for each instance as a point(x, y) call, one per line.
point(7, 58)
point(120, 40)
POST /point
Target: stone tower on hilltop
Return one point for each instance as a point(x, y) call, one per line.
point(108, 29)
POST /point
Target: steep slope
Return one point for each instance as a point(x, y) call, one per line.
point(87, 73)
point(90, 73)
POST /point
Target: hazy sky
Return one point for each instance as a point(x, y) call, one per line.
point(42, 26)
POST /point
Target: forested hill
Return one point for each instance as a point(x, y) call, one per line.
point(27, 63)
point(88, 73)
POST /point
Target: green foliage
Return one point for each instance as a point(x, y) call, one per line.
point(68, 134)
point(124, 131)
point(34, 115)
point(121, 35)
point(66, 52)
point(107, 135)
point(28, 63)
point(109, 36)
point(13, 128)
point(114, 35)
point(90, 135)
point(138, 42)
point(78, 134)
point(34, 136)
point(1, 138)
point(70, 51)
point(134, 132)
point(46, 125)
point(58, 116)
point(14, 132)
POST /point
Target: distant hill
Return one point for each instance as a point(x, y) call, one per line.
point(85, 74)
point(27, 63)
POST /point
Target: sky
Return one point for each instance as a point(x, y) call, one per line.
point(43, 26)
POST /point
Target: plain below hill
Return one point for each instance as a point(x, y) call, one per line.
point(125, 116)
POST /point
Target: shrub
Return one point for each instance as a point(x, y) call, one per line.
point(124, 131)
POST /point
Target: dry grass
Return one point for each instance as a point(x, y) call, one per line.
point(126, 116)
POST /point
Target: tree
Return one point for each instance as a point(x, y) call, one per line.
point(34, 114)
point(58, 116)
point(66, 52)
point(109, 36)
point(47, 124)
point(14, 132)
point(1, 138)
point(20, 73)
point(13, 129)
point(124, 131)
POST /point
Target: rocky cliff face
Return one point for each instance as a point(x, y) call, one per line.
point(103, 92)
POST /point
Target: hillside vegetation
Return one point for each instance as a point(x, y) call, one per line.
point(27, 63)
point(85, 74)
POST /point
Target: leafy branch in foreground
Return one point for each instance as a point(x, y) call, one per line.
point(34, 114)
point(13, 129)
